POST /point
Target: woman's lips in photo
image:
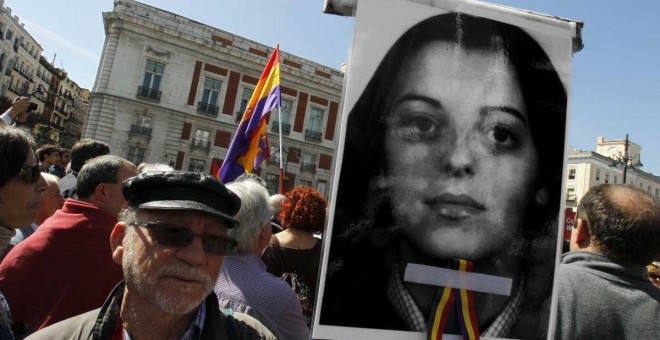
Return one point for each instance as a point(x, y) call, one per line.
point(455, 207)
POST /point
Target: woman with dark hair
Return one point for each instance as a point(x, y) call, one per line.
point(295, 253)
point(453, 151)
point(21, 190)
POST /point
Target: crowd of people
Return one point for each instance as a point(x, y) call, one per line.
point(94, 246)
point(82, 229)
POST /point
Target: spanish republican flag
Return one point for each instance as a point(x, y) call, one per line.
point(249, 146)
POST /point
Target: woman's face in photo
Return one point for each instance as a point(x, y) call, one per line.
point(461, 162)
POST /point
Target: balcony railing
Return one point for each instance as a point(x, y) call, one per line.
point(274, 158)
point(201, 144)
point(141, 130)
point(313, 135)
point(311, 167)
point(275, 127)
point(206, 108)
point(149, 93)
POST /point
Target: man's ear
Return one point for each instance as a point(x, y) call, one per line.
point(101, 192)
point(117, 242)
point(580, 235)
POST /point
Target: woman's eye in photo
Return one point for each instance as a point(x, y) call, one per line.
point(416, 128)
point(502, 136)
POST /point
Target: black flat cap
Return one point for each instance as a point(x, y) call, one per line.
point(182, 190)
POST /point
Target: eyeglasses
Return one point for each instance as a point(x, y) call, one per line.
point(173, 235)
point(30, 174)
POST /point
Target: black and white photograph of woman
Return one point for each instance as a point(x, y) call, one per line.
point(453, 151)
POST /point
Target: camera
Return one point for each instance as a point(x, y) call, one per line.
point(32, 106)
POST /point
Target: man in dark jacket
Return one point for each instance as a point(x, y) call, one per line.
point(603, 287)
point(170, 241)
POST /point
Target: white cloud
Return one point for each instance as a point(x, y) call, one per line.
point(44, 35)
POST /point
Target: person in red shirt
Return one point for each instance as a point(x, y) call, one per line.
point(65, 267)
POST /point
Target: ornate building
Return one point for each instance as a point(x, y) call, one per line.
point(587, 169)
point(171, 90)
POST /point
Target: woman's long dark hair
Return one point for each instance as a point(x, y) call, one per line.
point(362, 211)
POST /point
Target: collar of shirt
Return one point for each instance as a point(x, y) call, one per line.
point(194, 332)
point(407, 309)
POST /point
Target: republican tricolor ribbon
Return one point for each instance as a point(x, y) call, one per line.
point(453, 300)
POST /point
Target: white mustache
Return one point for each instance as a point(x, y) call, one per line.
point(183, 269)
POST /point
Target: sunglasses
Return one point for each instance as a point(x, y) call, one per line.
point(30, 174)
point(173, 235)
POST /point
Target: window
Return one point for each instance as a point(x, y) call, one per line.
point(607, 177)
point(142, 125)
point(313, 131)
point(209, 103)
point(305, 183)
point(308, 162)
point(135, 154)
point(196, 165)
point(153, 73)
point(657, 193)
point(571, 173)
point(274, 155)
point(315, 120)
point(320, 187)
point(570, 194)
point(245, 99)
point(648, 189)
point(598, 174)
point(202, 139)
point(286, 111)
point(286, 117)
point(202, 134)
point(143, 121)
point(616, 179)
point(272, 183)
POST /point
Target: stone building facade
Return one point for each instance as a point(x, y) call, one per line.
point(171, 90)
point(588, 168)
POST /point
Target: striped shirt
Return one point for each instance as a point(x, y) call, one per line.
point(245, 286)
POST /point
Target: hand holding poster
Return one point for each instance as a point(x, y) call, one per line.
point(452, 152)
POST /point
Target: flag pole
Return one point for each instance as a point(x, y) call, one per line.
point(279, 130)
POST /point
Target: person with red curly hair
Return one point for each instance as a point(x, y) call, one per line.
point(294, 254)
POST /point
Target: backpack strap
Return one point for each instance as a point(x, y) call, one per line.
point(230, 323)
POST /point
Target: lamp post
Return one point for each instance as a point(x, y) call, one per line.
point(283, 171)
point(625, 159)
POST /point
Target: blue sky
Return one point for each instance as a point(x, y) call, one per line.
point(615, 82)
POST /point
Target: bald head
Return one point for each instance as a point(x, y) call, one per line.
point(623, 222)
point(53, 199)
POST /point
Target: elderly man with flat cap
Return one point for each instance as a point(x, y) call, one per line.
point(170, 241)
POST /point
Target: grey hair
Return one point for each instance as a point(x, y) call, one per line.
point(275, 202)
point(102, 169)
point(144, 167)
point(252, 215)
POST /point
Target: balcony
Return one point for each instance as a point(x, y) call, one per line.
point(275, 127)
point(148, 93)
point(208, 109)
point(203, 144)
point(313, 135)
point(310, 167)
point(141, 130)
point(274, 159)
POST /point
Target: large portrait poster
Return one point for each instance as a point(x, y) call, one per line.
point(448, 186)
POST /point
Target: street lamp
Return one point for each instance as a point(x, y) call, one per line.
point(283, 171)
point(626, 160)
